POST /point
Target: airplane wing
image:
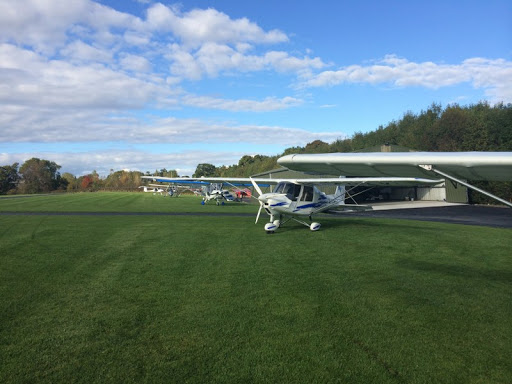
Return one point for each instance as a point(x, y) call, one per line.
point(456, 166)
point(234, 181)
point(369, 181)
point(175, 180)
point(349, 181)
point(495, 166)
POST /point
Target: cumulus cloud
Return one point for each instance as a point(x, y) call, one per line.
point(495, 76)
point(102, 161)
point(79, 126)
point(46, 25)
point(36, 81)
point(212, 59)
point(268, 104)
point(201, 26)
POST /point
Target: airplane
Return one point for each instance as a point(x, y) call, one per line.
point(217, 195)
point(154, 188)
point(209, 192)
point(297, 199)
point(454, 166)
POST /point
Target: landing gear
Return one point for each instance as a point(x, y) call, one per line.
point(275, 224)
point(314, 226)
point(270, 228)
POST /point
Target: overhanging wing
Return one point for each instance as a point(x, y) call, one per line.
point(234, 181)
point(495, 166)
point(348, 181)
point(175, 180)
point(370, 181)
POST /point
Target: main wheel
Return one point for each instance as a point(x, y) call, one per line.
point(314, 226)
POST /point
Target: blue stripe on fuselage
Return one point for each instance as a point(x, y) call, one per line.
point(311, 205)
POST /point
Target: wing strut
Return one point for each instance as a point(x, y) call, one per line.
point(431, 168)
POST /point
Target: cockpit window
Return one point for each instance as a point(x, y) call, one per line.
point(307, 193)
point(279, 188)
point(292, 191)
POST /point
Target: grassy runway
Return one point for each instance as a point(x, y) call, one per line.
point(214, 299)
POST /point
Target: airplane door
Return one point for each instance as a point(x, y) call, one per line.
point(297, 193)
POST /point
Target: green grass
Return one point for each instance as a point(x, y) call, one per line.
point(118, 202)
point(215, 299)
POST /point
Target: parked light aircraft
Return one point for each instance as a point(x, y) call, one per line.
point(454, 166)
point(161, 189)
point(211, 191)
point(154, 188)
point(217, 195)
point(297, 199)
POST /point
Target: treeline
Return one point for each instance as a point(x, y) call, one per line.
point(43, 176)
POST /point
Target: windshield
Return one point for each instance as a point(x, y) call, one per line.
point(292, 191)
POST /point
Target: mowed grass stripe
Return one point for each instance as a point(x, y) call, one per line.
point(119, 202)
point(197, 299)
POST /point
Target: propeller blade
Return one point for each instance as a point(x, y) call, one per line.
point(256, 187)
point(259, 211)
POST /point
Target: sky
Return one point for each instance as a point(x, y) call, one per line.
point(143, 85)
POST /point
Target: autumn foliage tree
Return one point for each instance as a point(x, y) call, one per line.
point(8, 178)
point(38, 176)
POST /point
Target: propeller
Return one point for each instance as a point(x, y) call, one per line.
point(258, 189)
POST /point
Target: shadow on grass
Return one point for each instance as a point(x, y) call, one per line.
point(456, 270)
point(370, 223)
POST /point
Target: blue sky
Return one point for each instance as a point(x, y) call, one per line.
point(144, 85)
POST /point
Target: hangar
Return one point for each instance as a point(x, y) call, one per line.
point(449, 192)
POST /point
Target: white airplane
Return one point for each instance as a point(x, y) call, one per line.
point(154, 188)
point(161, 189)
point(217, 195)
point(211, 191)
point(454, 166)
point(297, 199)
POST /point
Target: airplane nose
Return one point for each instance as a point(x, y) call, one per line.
point(262, 198)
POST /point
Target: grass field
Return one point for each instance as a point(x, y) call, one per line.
point(214, 299)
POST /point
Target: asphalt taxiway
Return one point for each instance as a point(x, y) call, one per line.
point(489, 216)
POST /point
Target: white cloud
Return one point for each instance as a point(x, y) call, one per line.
point(102, 161)
point(494, 76)
point(78, 126)
point(135, 63)
point(40, 82)
point(45, 25)
point(268, 104)
point(201, 26)
point(78, 51)
point(213, 59)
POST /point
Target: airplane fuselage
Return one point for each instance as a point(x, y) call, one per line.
point(296, 200)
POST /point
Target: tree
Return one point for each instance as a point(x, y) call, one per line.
point(39, 176)
point(205, 169)
point(8, 178)
point(123, 180)
point(72, 183)
point(317, 146)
